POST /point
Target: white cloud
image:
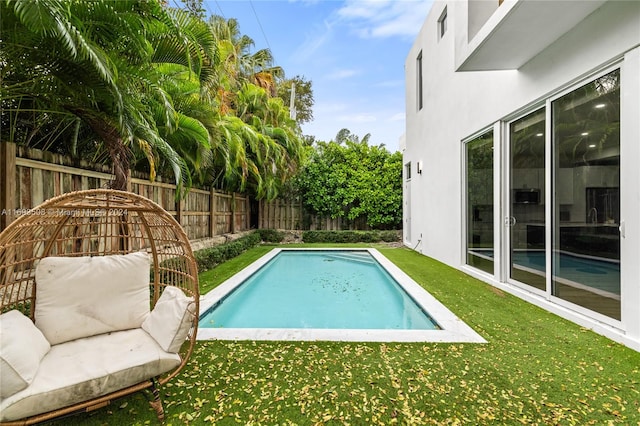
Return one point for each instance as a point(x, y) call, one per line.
point(329, 107)
point(314, 40)
point(385, 18)
point(358, 118)
point(355, 9)
point(390, 83)
point(305, 2)
point(327, 125)
point(400, 116)
point(342, 74)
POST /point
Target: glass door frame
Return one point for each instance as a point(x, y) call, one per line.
point(615, 65)
point(496, 130)
point(507, 199)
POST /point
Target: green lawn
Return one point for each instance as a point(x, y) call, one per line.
point(536, 369)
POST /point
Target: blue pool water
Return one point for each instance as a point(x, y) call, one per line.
point(320, 290)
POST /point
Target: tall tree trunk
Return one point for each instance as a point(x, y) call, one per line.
point(118, 152)
point(120, 159)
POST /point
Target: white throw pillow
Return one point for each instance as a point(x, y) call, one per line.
point(22, 347)
point(85, 296)
point(170, 320)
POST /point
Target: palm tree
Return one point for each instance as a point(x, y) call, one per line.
point(260, 144)
point(43, 55)
point(95, 65)
point(132, 80)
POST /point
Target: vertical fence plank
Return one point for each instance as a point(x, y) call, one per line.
point(7, 183)
point(212, 213)
point(25, 188)
point(234, 212)
point(247, 215)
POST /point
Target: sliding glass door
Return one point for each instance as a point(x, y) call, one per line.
point(479, 190)
point(526, 219)
point(581, 262)
point(586, 205)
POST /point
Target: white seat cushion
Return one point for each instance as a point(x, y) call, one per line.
point(22, 347)
point(170, 320)
point(82, 369)
point(86, 296)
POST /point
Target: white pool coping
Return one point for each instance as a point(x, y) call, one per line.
point(453, 329)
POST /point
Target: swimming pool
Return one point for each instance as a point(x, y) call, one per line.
point(319, 289)
point(404, 313)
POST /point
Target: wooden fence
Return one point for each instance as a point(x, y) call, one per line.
point(28, 177)
point(289, 214)
point(280, 214)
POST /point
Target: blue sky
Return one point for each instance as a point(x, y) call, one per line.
point(352, 51)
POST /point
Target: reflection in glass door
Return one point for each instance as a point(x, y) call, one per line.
point(586, 206)
point(479, 190)
point(526, 220)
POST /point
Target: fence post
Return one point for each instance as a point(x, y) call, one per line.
point(212, 213)
point(289, 223)
point(247, 213)
point(300, 215)
point(129, 186)
point(264, 222)
point(233, 212)
point(7, 183)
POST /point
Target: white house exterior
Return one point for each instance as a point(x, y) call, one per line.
point(522, 152)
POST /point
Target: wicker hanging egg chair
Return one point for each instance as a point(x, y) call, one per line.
point(94, 223)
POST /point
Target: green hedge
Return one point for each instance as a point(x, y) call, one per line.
point(210, 257)
point(349, 236)
point(271, 235)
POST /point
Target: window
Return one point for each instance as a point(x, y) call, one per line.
point(419, 80)
point(442, 23)
point(407, 171)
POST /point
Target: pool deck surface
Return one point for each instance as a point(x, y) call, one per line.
point(453, 329)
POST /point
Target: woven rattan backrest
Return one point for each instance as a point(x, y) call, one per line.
point(93, 223)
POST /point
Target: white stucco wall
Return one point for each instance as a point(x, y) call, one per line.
point(459, 105)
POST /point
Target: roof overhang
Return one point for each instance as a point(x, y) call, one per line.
point(519, 30)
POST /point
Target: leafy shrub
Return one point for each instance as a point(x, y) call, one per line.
point(210, 257)
point(348, 236)
point(389, 236)
point(271, 235)
point(349, 179)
